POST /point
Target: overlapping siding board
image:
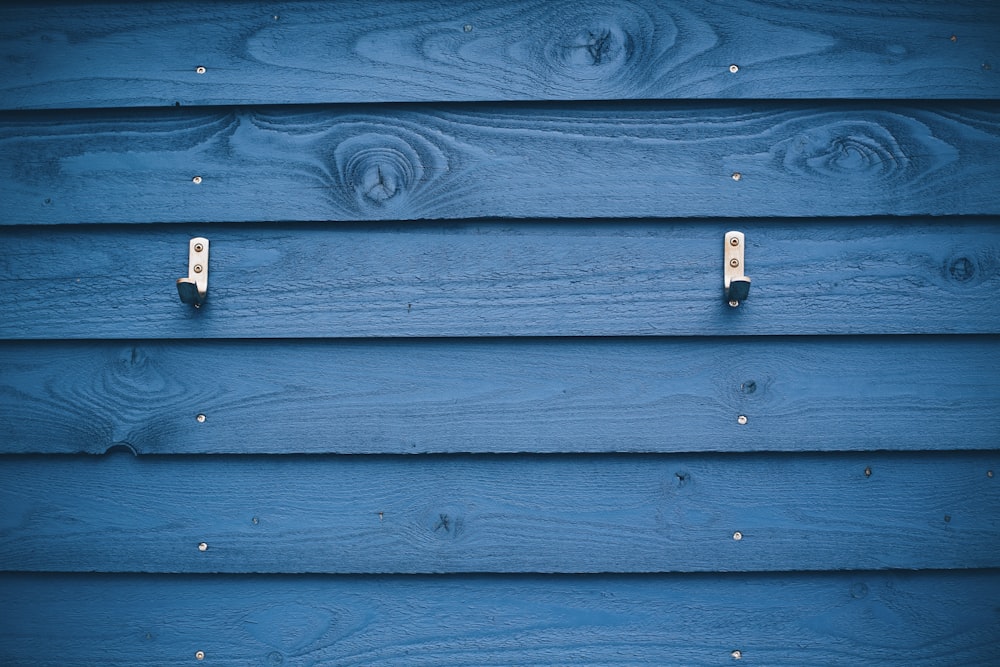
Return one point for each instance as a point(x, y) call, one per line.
point(465, 389)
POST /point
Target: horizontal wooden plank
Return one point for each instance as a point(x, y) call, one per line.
point(142, 54)
point(501, 395)
point(503, 279)
point(569, 514)
point(548, 161)
point(932, 619)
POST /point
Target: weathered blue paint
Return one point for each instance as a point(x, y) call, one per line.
point(593, 395)
point(484, 278)
point(855, 618)
point(542, 222)
point(510, 514)
point(436, 162)
point(120, 53)
point(504, 279)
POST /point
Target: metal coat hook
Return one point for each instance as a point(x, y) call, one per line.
point(737, 284)
point(194, 288)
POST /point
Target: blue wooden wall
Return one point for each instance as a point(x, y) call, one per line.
point(465, 390)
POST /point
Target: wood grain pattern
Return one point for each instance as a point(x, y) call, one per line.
point(550, 395)
point(503, 278)
point(142, 54)
point(569, 514)
point(546, 466)
point(854, 618)
point(459, 162)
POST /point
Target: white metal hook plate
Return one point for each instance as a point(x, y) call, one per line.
point(736, 283)
point(194, 288)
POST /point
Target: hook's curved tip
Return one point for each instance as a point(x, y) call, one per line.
point(188, 291)
point(739, 289)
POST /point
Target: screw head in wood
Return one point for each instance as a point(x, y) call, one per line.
point(741, 420)
point(868, 471)
point(196, 180)
point(734, 304)
point(203, 546)
point(201, 418)
point(737, 536)
point(467, 27)
point(737, 175)
point(954, 38)
point(200, 655)
point(989, 473)
point(737, 655)
point(200, 69)
point(734, 68)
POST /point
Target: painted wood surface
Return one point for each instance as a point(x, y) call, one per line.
point(503, 278)
point(930, 619)
point(764, 159)
point(568, 514)
point(526, 395)
point(568, 389)
point(142, 54)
